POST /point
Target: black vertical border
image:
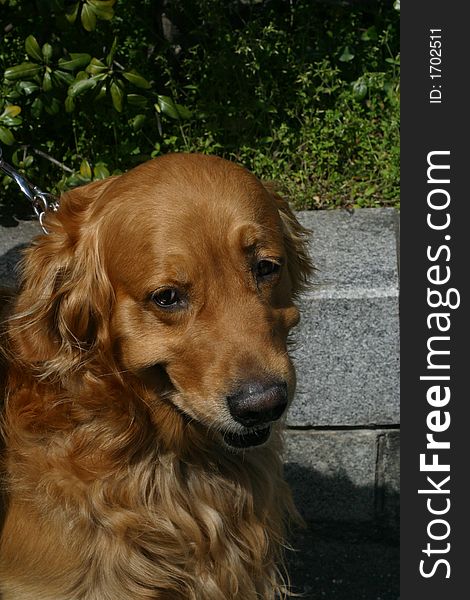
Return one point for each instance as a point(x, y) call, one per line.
point(428, 127)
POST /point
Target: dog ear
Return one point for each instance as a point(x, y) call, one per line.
point(296, 236)
point(63, 309)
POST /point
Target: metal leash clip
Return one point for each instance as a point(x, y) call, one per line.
point(42, 201)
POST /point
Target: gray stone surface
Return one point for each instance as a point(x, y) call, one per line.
point(332, 474)
point(12, 240)
point(347, 358)
point(347, 345)
point(388, 479)
point(354, 252)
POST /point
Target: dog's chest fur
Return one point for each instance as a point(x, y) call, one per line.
point(160, 528)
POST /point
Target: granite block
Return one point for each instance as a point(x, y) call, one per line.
point(388, 478)
point(354, 253)
point(346, 348)
point(332, 474)
point(346, 353)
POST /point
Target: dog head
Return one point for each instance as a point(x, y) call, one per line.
point(183, 273)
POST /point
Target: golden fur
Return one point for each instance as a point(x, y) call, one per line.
point(119, 485)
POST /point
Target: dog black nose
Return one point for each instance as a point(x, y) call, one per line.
point(256, 403)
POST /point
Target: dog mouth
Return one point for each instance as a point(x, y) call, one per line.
point(168, 391)
point(247, 440)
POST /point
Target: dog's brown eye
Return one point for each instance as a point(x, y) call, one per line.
point(167, 298)
point(266, 268)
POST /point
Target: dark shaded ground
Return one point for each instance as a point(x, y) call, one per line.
point(345, 562)
point(341, 556)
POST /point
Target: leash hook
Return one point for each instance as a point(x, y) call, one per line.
point(42, 202)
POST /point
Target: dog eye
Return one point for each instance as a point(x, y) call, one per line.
point(266, 268)
point(167, 298)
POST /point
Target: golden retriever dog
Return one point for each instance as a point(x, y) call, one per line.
point(147, 376)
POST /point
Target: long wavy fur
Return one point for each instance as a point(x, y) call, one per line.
point(112, 495)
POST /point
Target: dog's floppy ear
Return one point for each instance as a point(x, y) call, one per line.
point(63, 309)
point(296, 237)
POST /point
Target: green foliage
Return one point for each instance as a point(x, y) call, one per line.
point(305, 93)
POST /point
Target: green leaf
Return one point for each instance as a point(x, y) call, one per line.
point(167, 106)
point(359, 88)
point(71, 12)
point(47, 52)
point(117, 95)
point(102, 3)
point(81, 86)
point(36, 108)
point(389, 88)
point(137, 80)
point(75, 180)
point(183, 112)
point(176, 111)
point(85, 169)
point(13, 94)
point(102, 8)
point(47, 82)
point(138, 122)
point(61, 77)
point(69, 104)
point(111, 53)
point(370, 34)
point(105, 13)
point(137, 100)
point(14, 158)
point(100, 171)
point(88, 18)
point(101, 92)
point(51, 105)
point(27, 87)
point(32, 48)
point(76, 61)
point(6, 136)
point(372, 189)
point(11, 121)
point(11, 110)
point(346, 55)
point(81, 75)
point(22, 71)
point(96, 66)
